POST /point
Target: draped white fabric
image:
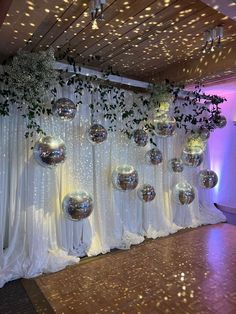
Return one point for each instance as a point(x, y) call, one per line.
point(34, 235)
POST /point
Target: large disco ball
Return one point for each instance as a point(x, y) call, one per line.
point(140, 137)
point(220, 121)
point(77, 205)
point(164, 125)
point(207, 179)
point(176, 165)
point(192, 157)
point(146, 193)
point(125, 178)
point(97, 134)
point(184, 193)
point(49, 151)
point(154, 156)
point(65, 109)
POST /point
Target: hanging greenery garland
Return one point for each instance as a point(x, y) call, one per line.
point(29, 81)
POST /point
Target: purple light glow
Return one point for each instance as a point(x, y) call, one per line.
point(222, 146)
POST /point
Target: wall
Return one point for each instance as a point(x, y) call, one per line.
point(222, 146)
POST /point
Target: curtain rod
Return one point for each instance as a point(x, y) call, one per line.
point(112, 78)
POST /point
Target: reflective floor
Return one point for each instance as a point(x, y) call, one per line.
point(189, 272)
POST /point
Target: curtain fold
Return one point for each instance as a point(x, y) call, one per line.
point(34, 235)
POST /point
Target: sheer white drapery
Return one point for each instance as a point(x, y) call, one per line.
point(34, 235)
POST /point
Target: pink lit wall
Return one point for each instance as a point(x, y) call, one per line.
point(222, 146)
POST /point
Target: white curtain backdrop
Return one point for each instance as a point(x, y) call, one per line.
point(34, 235)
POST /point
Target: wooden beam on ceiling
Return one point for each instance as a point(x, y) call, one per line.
point(228, 8)
point(4, 7)
point(212, 65)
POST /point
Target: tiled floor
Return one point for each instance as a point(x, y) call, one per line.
point(189, 272)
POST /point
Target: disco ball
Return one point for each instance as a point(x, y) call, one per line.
point(125, 178)
point(176, 165)
point(140, 138)
point(77, 205)
point(195, 142)
point(220, 121)
point(164, 106)
point(65, 109)
point(164, 125)
point(146, 193)
point(192, 157)
point(207, 179)
point(49, 151)
point(154, 156)
point(184, 193)
point(97, 134)
point(204, 133)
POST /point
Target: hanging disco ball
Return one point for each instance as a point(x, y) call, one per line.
point(77, 205)
point(204, 133)
point(192, 157)
point(97, 134)
point(125, 178)
point(140, 138)
point(184, 193)
point(65, 109)
point(207, 179)
point(146, 193)
point(49, 151)
point(195, 142)
point(220, 121)
point(154, 156)
point(176, 165)
point(164, 125)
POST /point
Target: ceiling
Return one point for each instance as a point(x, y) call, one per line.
point(139, 39)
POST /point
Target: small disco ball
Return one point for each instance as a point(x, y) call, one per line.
point(194, 141)
point(97, 134)
point(77, 205)
point(220, 121)
point(125, 178)
point(49, 151)
point(65, 109)
point(164, 106)
point(164, 125)
point(204, 133)
point(207, 179)
point(192, 157)
point(140, 138)
point(176, 165)
point(146, 193)
point(184, 193)
point(154, 156)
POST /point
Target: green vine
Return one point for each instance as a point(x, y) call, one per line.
point(29, 83)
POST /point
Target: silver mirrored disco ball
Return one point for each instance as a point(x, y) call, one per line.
point(97, 134)
point(184, 193)
point(77, 206)
point(204, 133)
point(146, 193)
point(220, 121)
point(154, 156)
point(176, 165)
point(125, 178)
point(195, 141)
point(65, 109)
point(49, 151)
point(164, 125)
point(207, 179)
point(192, 157)
point(140, 137)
